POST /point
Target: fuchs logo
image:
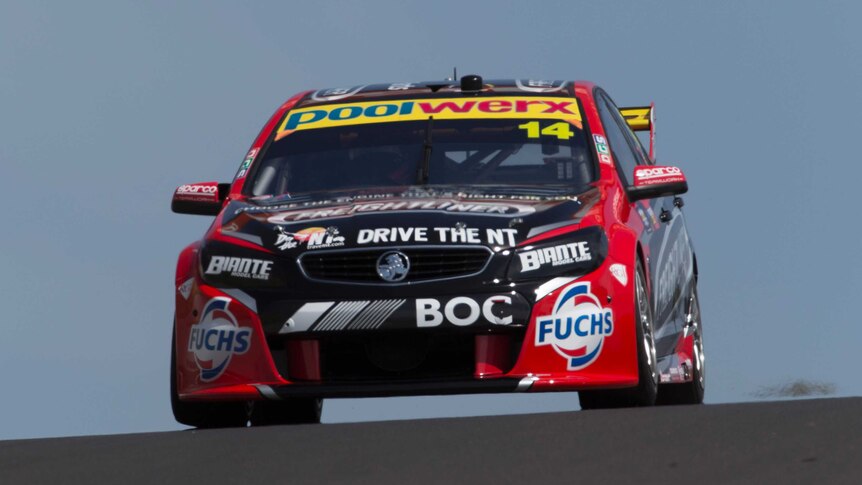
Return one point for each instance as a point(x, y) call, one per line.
point(216, 338)
point(314, 237)
point(578, 326)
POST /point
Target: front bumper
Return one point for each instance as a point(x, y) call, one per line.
point(284, 359)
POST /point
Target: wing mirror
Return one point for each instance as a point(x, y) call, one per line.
point(205, 198)
point(657, 181)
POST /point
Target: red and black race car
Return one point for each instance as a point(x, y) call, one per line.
point(438, 238)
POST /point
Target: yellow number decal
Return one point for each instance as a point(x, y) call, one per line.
point(561, 130)
point(532, 129)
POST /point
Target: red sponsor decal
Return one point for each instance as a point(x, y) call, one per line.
point(658, 175)
point(453, 107)
point(561, 107)
point(204, 192)
point(498, 106)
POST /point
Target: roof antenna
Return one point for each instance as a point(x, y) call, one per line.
point(455, 73)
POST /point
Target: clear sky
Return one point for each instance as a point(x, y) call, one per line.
point(105, 107)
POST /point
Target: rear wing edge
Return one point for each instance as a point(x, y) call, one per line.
point(642, 118)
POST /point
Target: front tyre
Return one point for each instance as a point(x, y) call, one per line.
point(647, 389)
point(204, 414)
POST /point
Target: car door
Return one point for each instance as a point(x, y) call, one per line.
point(671, 259)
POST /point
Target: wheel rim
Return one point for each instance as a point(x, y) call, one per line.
point(647, 329)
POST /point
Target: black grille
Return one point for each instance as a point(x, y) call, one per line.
point(425, 264)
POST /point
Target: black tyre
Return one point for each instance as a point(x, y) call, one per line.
point(204, 414)
point(290, 411)
point(689, 392)
point(647, 389)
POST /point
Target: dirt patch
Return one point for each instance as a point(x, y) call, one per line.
point(797, 388)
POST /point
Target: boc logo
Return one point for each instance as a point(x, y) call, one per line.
point(578, 326)
point(216, 338)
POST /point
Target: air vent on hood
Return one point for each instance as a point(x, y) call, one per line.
point(426, 263)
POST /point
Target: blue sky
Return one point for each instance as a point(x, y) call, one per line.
point(105, 107)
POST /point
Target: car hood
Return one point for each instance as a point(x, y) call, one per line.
point(494, 217)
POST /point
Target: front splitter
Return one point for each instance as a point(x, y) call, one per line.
point(398, 388)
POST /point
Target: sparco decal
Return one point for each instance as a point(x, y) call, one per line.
point(577, 327)
point(555, 256)
point(197, 189)
point(312, 237)
point(257, 269)
point(483, 208)
point(205, 192)
point(463, 311)
point(658, 175)
point(216, 338)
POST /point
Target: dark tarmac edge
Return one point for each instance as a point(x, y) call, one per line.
point(807, 441)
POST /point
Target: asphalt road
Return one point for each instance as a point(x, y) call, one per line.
point(810, 441)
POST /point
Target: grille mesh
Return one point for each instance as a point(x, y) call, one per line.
point(426, 264)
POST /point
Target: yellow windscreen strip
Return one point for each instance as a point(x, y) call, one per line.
point(382, 111)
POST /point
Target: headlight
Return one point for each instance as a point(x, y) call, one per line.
point(572, 254)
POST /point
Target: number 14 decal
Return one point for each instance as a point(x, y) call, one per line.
point(561, 130)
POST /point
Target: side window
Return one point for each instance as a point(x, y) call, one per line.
point(639, 147)
point(634, 141)
point(640, 153)
point(620, 147)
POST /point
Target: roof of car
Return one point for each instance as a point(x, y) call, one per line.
point(442, 88)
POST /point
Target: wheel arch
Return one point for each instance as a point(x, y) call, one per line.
point(186, 262)
point(641, 256)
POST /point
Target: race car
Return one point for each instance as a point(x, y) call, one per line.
point(445, 237)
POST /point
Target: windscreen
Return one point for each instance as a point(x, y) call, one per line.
point(521, 141)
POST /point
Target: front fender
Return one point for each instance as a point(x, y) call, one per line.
point(610, 290)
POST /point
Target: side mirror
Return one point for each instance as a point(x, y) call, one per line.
point(205, 198)
point(657, 181)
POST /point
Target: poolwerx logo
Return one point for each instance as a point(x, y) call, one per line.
point(452, 108)
point(496, 106)
point(257, 269)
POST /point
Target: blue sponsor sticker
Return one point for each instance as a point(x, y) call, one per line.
point(578, 326)
point(217, 338)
